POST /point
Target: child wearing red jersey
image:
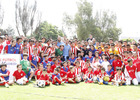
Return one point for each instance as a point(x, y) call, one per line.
point(96, 73)
point(38, 72)
point(71, 76)
point(56, 79)
point(3, 82)
point(138, 71)
point(101, 76)
point(130, 70)
point(116, 62)
point(55, 64)
point(110, 72)
point(19, 76)
point(78, 71)
point(89, 75)
point(119, 78)
point(44, 77)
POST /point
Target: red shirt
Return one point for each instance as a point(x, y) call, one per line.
point(71, 75)
point(138, 66)
point(53, 67)
point(38, 73)
point(63, 73)
point(89, 74)
point(49, 71)
point(19, 75)
point(96, 72)
point(119, 77)
point(78, 70)
point(1, 47)
point(116, 63)
point(42, 77)
point(85, 70)
point(131, 71)
point(102, 75)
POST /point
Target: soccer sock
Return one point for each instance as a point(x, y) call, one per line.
point(58, 80)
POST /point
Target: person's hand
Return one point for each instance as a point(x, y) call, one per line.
point(27, 68)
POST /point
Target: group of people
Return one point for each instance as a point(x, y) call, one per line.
point(71, 61)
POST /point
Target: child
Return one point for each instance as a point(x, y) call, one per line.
point(45, 61)
point(19, 76)
point(38, 72)
point(116, 62)
point(71, 76)
point(119, 77)
point(55, 64)
point(130, 70)
point(96, 72)
point(101, 77)
point(56, 79)
point(78, 71)
point(89, 75)
point(63, 74)
point(65, 68)
point(105, 63)
point(26, 67)
point(44, 77)
point(110, 72)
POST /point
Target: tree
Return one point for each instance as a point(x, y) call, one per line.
point(1, 15)
point(47, 30)
point(102, 26)
point(27, 16)
point(10, 31)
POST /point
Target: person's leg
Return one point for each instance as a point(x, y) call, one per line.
point(57, 80)
point(134, 81)
point(31, 75)
point(128, 81)
point(47, 84)
point(105, 82)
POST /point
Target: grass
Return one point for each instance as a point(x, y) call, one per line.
point(81, 91)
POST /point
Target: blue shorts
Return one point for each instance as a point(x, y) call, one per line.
point(104, 82)
point(28, 74)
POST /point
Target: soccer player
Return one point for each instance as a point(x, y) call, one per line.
point(55, 64)
point(116, 62)
point(78, 71)
point(46, 56)
point(71, 76)
point(89, 75)
point(56, 79)
point(105, 63)
point(38, 72)
point(119, 78)
point(10, 49)
point(18, 44)
point(110, 72)
point(1, 45)
point(90, 56)
point(130, 70)
point(44, 76)
point(19, 76)
point(101, 77)
point(64, 67)
point(26, 67)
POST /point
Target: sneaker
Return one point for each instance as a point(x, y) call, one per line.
point(6, 85)
point(62, 83)
point(56, 84)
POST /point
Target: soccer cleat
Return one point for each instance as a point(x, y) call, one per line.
point(62, 83)
point(56, 84)
point(101, 83)
point(6, 85)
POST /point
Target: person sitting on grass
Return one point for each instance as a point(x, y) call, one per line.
point(119, 79)
point(44, 77)
point(38, 72)
point(101, 77)
point(56, 79)
point(26, 67)
point(71, 76)
point(96, 73)
point(110, 72)
point(5, 73)
point(19, 76)
point(89, 75)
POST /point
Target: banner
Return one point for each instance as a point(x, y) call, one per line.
point(11, 60)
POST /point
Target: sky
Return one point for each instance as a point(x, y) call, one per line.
point(127, 11)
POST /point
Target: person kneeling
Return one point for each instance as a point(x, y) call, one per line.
point(19, 76)
point(44, 79)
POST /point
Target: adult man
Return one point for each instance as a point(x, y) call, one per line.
point(66, 50)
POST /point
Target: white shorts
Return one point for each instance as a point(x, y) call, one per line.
point(134, 81)
point(138, 76)
point(20, 81)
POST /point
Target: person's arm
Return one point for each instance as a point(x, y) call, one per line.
point(4, 75)
point(33, 64)
point(14, 79)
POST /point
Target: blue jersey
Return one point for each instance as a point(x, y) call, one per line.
point(34, 60)
point(91, 58)
point(72, 60)
point(5, 72)
point(109, 72)
point(57, 75)
point(17, 48)
point(65, 69)
point(93, 52)
point(45, 63)
point(11, 50)
point(111, 61)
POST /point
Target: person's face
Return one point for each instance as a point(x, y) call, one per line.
point(77, 64)
point(100, 49)
point(35, 51)
point(89, 69)
point(134, 47)
point(128, 47)
point(42, 54)
point(135, 54)
point(19, 68)
point(72, 55)
point(20, 40)
point(119, 44)
point(96, 54)
point(61, 47)
point(109, 67)
point(119, 71)
point(25, 43)
point(3, 68)
point(112, 47)
point(72, 70)
point(48, 66)
point(1, 40)
point(44, 72)
point(125, 54)
point(92, 48)
point(25, 50)
point(25, 57)
point(14, 43)
point(102, 71)
point(131, 63)
point(43, 40)
point(41, 67)
point(46, 58)
point(115, 58)
point(90, 53)
point(65, 64)
point(56, 62)
point(112, 56)
point(68, 63)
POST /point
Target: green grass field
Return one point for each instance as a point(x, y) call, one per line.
point(81, 91)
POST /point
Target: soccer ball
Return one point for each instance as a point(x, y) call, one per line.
point(41, 83)
point(106, 78)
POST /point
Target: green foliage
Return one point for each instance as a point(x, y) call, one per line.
point(47, 30)
point(102, 26)
point(128, 40)
point(10, 31)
